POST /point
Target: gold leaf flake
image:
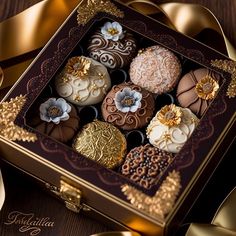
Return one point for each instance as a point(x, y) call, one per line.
point(88, 10)
point(162, 202)
point(230, 67)
point(8, 113)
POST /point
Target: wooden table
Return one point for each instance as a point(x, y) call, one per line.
point(25, 196)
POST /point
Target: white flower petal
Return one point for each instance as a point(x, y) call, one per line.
point(64, 116)
point(68, 109)
point(108, 36)
point(51, 101)
point(125, 109)
point(56, 120)
point(107, 25)
point(119, 96)
point(137, 96)
point(43, 108)
point(61, 103)
point(126, 91)
point(134, 108)
point(45, 117)
point(115, 38)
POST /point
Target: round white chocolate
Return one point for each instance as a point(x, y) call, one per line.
point(84, 90)
point(172, 139)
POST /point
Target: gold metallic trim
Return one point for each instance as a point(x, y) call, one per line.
point(1, 76)
point(88, 10)
point(162, 202)
point(200, 170)
point(117, 233)
point(8, 113)
point(230, 67)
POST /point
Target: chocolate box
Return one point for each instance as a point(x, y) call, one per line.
point(86, 185)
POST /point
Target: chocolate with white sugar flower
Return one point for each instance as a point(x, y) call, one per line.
point(170, 129)
point(112, 46)
point(83, 81)
point(145, 164)
point(57, 119)
point(128, 106)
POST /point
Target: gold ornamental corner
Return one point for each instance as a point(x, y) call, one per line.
point(162, 202)
point(90, 8)
point(8, 113)
point(230, 67)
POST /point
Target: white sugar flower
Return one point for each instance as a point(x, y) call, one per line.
point(54, 110)
point(128, 100)
point(112, 31)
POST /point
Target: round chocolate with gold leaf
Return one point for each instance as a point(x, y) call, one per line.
point(170, 129)
point(101, 142)
point(83, 81)
point(128, 106)
point(197, 89)
point(144, 164)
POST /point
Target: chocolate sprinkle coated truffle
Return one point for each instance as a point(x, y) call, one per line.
point(197, 89)
point(145, 164)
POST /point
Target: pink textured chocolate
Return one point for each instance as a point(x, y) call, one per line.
point(156, 69)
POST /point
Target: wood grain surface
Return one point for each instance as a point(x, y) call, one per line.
point(24, 195)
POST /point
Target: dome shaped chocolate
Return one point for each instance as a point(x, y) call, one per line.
point(155, 69)
point(197, 89)
point(112, 46)
point(128, 106)
point(60, 125)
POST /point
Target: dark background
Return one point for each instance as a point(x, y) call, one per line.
point(24, 195)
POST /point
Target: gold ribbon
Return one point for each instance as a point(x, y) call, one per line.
point(120, 233)
point(22, 35)
point(223, 223)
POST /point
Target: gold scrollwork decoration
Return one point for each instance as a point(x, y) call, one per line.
point(162, 202)
point(8, 113)
point(230, 67)
point(86, 11)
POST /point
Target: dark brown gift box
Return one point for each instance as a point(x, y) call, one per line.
point(86, 185)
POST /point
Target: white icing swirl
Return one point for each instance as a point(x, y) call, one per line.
point(172, 139)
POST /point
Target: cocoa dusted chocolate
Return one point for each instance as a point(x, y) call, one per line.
point(197, 89)
point(83, 81)
point(144, 164)
point(112, 46)
point(155, 69)
point(128, 106)
point(57, 119)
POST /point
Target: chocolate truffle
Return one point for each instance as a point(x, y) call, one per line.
point(101, 142)
point(197, 89)
point(57, 119)
point(128, 106)
point(144, 164)
point(171, 127)
point(155, 69)
point(84, 81)
point(112, 46)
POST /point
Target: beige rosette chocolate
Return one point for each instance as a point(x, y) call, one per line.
point(171, 127)
point(83, 81)
point(101, 142)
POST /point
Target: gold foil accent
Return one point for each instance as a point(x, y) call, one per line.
point(223, 223)
point(87, 11)
point(206, 88)
point(162, 202)
point(8, 113)
point(101, 142)
point(117, 233)
point(78, 66)
point(1, 76)
point(230, 67)
point(170, 115)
